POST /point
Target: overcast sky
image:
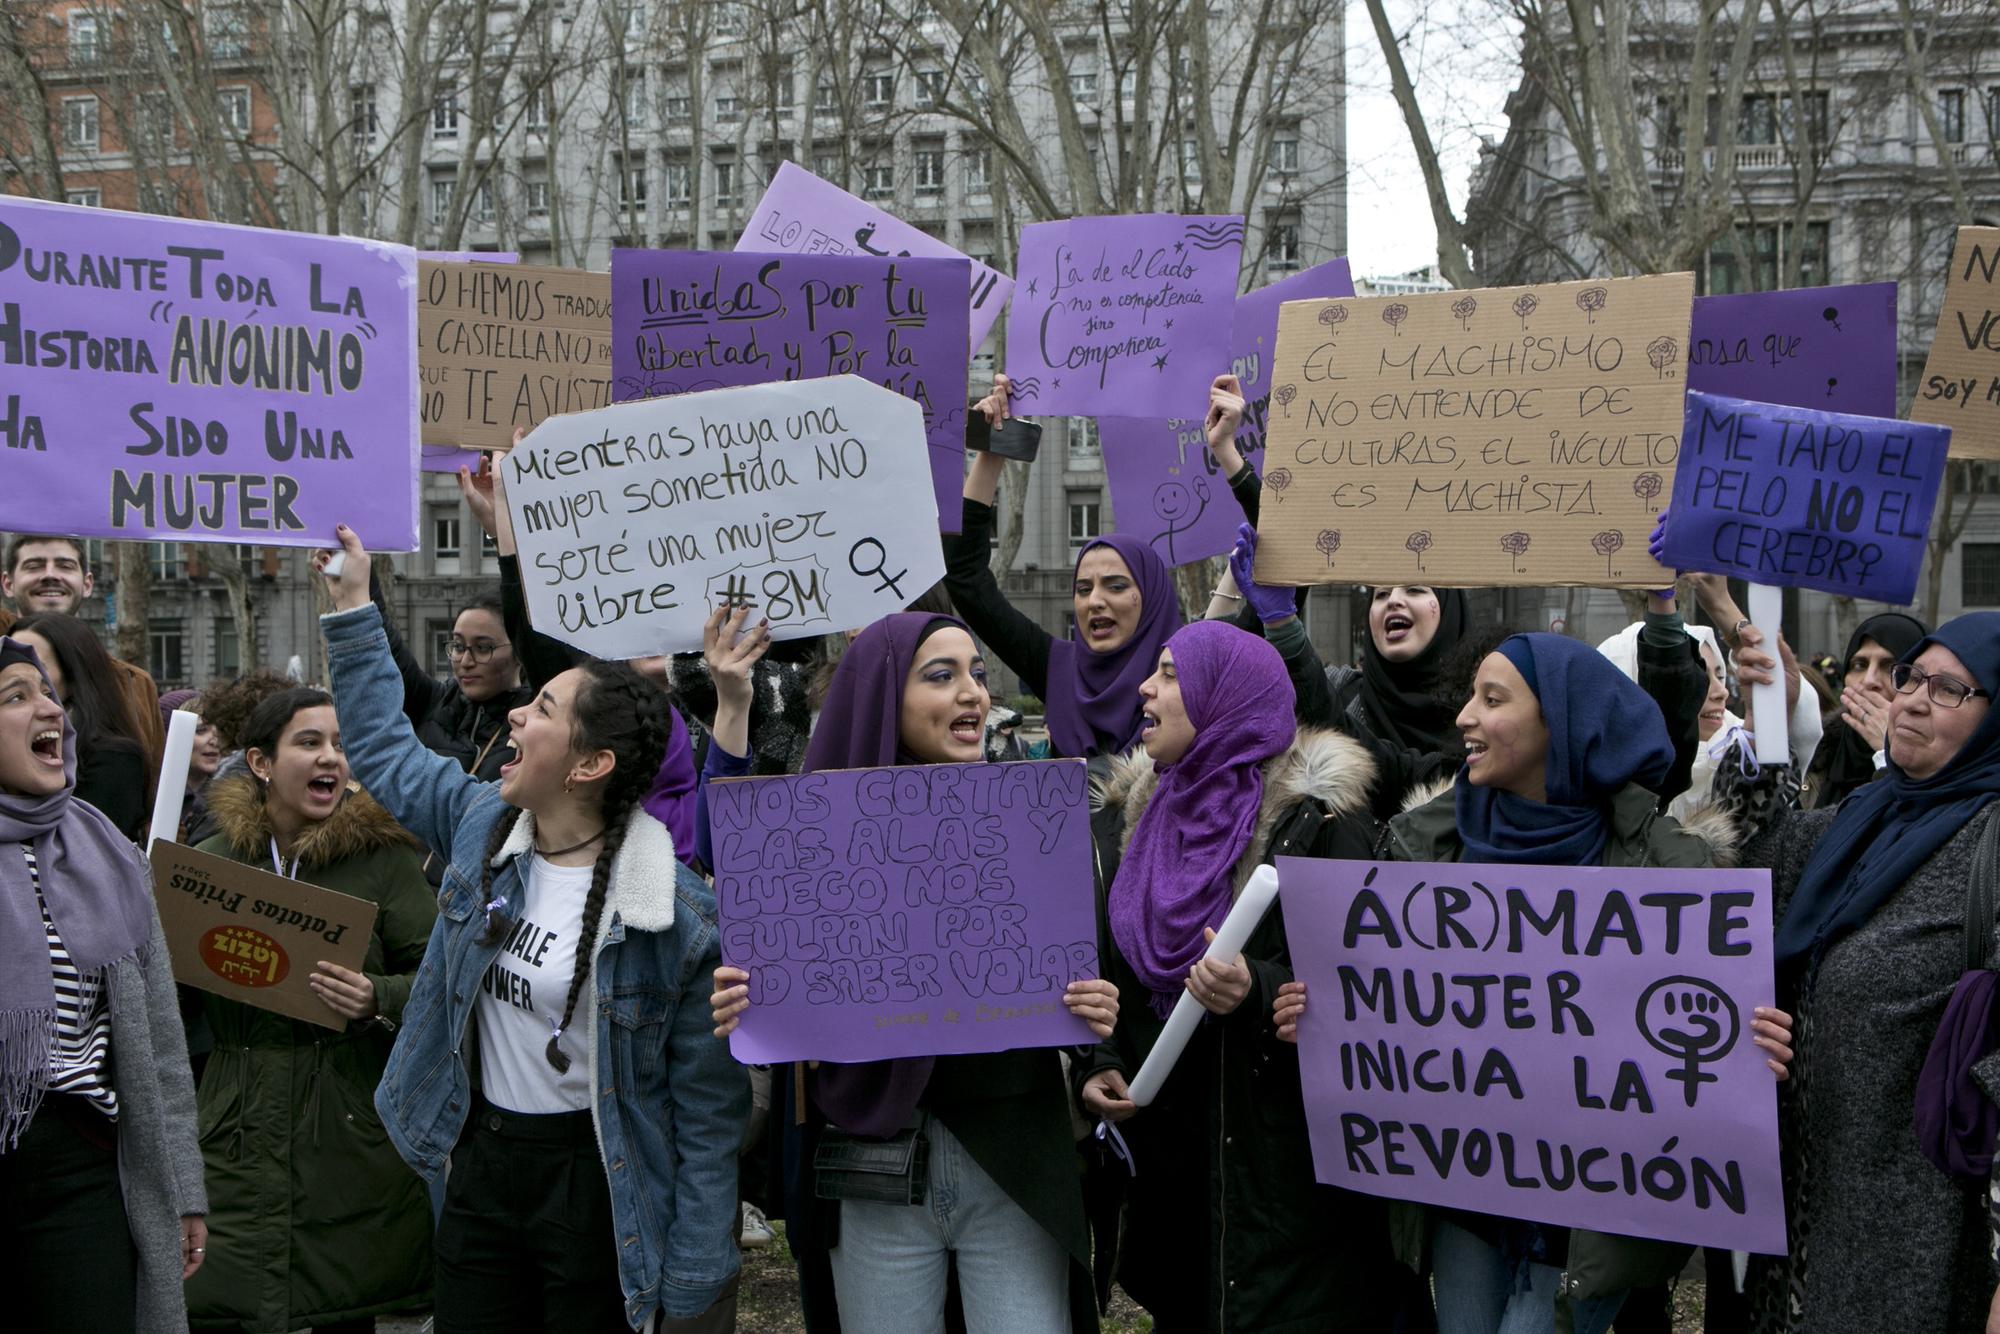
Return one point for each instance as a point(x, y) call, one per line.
point(1464, 71)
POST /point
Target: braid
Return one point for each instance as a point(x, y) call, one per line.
point(497, 924)
point(625, 713)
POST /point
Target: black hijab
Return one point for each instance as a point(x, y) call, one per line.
point(1850, 759)
point(1399, 700)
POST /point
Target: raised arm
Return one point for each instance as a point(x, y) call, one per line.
point(1008, 634)
point(421, 690)
point(426, 793)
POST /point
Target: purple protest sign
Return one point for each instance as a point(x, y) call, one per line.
point(1567, 1045)
point(685, 320)
point(801, 214)
point(925, 910)
point(1830, 348)
point(207, 383)
point(1802, 499)
point(1123, 316)
point(449, 458)
point(472, 256)
point(1164, 485)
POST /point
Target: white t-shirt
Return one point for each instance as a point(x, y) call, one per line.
point(521, 998)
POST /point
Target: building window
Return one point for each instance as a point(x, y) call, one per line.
point(444, 532)
point(536, 115)
point(80, 122)
point(1083, 82)
point(731, 20)
point(1284, 247)
point(536, 197)
point(1083, 438)
point(1951, 114)
point(635, 98)
point(361, 113)
point(930, 168)
point(167, 642)
point(161, 197)
point(1084, 508)
point(1993, 113)
point(826, 97)
point(164, 561)
point(228, 32)
point(878, 181)
point(826, 166)
point(931, 85)
point(438, 634)
point(632, 188)
point(482, 202)
point(1285, 153)
point(86, 39)
point(86, 198)
point(225, 653)
point(443, 191)
point(878, 91)
point(1191, 161)
point(728, 109)
point(1979, 574)
point(782, 86)
point(233, 104)
point(444, 115)
point(726, 181)
point(680, 184)
point(678, 109)
point(978, 171)
point(1754, 259)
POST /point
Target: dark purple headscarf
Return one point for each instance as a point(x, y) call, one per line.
point(858, 729)
point(99, 896)
point(1093, 698)
point(1178, 871)
point(671, 798)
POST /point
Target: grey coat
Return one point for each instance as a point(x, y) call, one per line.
point(159, 1160)
point(1880, 1239)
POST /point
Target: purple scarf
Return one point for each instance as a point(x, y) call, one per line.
point(1093, 698)
point(858, 729)
point(99, 896)
point(671, 798)
point(1955, 1121)
point(1178, 871)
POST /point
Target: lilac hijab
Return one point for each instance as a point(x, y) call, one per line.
point(1178, 872)
point(1093, 698)
point(99, 896)
point(671, 799)
point(858, 729)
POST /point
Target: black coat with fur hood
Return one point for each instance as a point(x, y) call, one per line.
point(1279, 1253)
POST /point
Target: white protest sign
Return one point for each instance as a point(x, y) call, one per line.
point(808, 501)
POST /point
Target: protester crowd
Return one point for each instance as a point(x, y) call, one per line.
point(524, 1113)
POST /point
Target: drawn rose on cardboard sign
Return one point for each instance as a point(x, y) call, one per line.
point(1417, 544)
point(1516, 545)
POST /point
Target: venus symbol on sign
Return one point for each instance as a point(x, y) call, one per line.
point(892, 582)
point(1691, 1020)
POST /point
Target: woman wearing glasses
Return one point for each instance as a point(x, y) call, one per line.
point(465, 718)
point(1871, 900)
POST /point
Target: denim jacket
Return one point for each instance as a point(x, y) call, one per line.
point(670, 1103)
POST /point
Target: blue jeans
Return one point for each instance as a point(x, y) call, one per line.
point(889, 1268)
point(1479, 1293)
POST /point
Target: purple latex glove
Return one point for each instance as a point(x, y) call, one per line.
point(1656, 545)
point(1270, 604)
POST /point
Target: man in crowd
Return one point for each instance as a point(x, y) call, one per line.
point(52, 574)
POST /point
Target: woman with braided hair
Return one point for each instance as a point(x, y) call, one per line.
point(548, 1049)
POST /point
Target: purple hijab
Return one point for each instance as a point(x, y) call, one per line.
point(1178, 870)
point(858, 729)
point(671, 798)
point(99, 896)
point(1093, 698)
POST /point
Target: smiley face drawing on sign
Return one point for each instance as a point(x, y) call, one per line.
point(1693, 1021)
point(1181, 506)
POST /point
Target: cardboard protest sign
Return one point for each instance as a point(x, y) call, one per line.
point(1567, 1045)
point(1961, 384)
point(916, 911)
point(801, 214)
point(1802, 499)
point(1508, 436)
point(1163, 482)
point(688, 320)
point(1830, 348)
point(793, 499)
point(502, 347)
point(253, 936)
point(199, 382)
point(1123, 316)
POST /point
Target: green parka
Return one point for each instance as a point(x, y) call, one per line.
point(313, 1216)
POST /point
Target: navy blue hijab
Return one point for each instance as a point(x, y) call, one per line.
point(1604, 732)
point(1888, 828)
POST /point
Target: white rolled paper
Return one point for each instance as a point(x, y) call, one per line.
point(1767, 703)
point(1249, 909)
point(173, 777)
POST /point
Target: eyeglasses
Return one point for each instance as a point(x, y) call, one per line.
point(482, 651)
point(1947, 692)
